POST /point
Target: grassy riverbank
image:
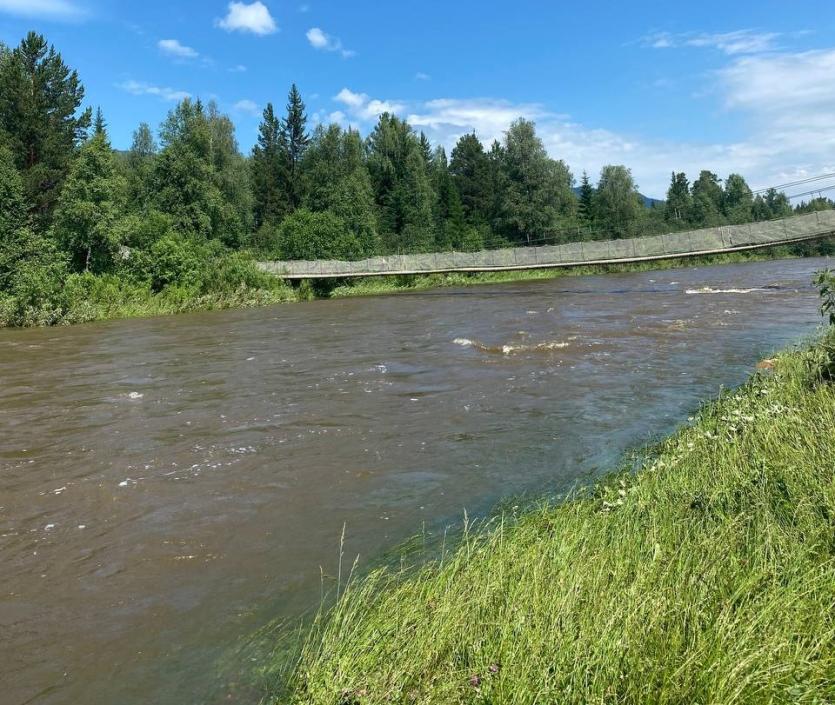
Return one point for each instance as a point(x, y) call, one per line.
point(233, 282)
point(707, 576)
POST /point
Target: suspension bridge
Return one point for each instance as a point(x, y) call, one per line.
point(706, 241)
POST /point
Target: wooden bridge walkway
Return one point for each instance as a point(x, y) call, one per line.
point(732, 238)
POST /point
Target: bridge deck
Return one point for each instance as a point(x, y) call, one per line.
point(707, 241)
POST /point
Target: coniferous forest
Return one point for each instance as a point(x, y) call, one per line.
point(178, 220)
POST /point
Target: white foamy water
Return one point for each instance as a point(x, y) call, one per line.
point(710, 290)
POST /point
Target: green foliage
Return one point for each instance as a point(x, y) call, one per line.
point(90, 206)
point(707, 200)
point(537, 195)
point(470, 170)
point(39, 102)
point(296, 137)
point(269, 171)
point(585, 202)
point(679, 200)
point(704, 577)
point(825, 282)
point(403, 193)
point(737, 201)
point(307, 235)
point(140, 169)
point(618, 203)
point(337, 181)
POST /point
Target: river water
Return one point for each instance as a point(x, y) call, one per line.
point(167, 485)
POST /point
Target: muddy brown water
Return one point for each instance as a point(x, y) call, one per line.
point(168, 485)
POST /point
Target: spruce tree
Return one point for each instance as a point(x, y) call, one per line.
point(295, 130)
point(99, 124)
point(269, 171)
point(39, 113)
point(585, 200)
point(470, 169)
point(402, 190)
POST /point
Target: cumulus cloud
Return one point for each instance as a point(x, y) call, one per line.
point(172, 47)
point(247, 107)
point(254, 17)
point(142, 88)
point(47, 9)
point(364, 108)
point(324, 42)
point(787, 99)
point(742, 41)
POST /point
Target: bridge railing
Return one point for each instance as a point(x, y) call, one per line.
point(707, 240)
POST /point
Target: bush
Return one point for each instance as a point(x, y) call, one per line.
point(309, 236)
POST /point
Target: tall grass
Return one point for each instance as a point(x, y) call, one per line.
point(706, 576)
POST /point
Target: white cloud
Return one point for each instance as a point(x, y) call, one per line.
point(254, 18)
point(49, 9)
point(361, 107)
point(324, 42)
point(247, 107)
point(420, 76)
point(742, 41)
point(240, 68)
point(172, 47)
point(142, 88)
point(786, 99)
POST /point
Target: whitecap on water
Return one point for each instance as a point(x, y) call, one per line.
point(710, 290)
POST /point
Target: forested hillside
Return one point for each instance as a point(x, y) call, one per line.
point(176, 221)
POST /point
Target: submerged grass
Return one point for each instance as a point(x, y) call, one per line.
point(706, 576)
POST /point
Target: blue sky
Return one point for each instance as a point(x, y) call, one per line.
point(744, 86)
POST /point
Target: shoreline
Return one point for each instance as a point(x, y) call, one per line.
point(108, 298)
point(700, 571)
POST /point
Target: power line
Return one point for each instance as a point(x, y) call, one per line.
point(791, 184)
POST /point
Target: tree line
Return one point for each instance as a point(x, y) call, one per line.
point(174, 208)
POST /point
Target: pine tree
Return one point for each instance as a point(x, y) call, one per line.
point(91, 203)
point(679, 204)
point(470, 169)
point(269, 171)
point(39, 103)
point(295, 130)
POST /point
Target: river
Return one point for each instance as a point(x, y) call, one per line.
point(168, 485)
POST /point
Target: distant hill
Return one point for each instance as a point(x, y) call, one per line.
point(648, 202)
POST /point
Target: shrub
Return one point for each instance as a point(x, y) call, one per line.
point(309, 236)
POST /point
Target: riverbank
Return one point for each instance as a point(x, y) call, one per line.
point(707, 575)
point(84, 298)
